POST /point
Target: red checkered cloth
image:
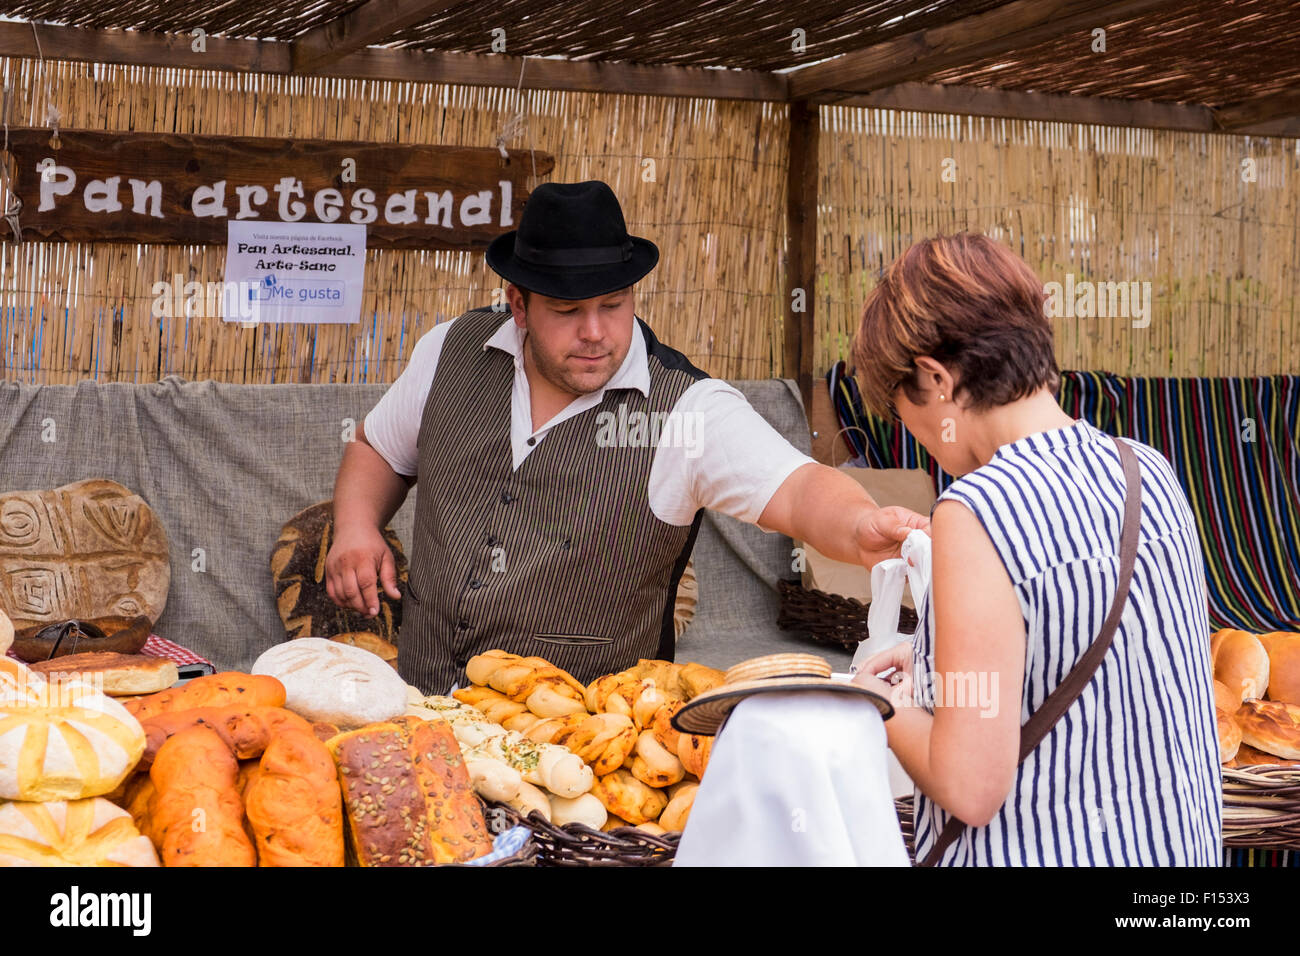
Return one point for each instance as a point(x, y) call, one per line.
point(161, 647)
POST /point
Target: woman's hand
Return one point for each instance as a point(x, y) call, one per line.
point(880, 532)
point(897, 688)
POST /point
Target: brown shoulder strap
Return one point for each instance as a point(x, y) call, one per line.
point(1067, 692)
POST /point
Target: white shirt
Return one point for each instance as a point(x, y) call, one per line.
point(724, 455)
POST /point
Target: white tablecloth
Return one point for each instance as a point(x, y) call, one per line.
point(796, 779)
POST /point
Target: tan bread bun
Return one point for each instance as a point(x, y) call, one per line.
point(1271, 726)
point(123, 675)
point(678, 810)
point(1229, 735)
point(625, 796)
point(585, 809)
point(1224, 699)
point(1248, 756)
point(1283, 666)
point(1240, 661)
point(90, 832)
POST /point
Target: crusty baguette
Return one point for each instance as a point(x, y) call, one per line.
point(293, 803)
point(214, 690)
point(196, 813)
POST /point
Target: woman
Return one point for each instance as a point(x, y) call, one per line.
point(955, 342)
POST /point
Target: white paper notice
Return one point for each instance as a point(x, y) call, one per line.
point(297, 271)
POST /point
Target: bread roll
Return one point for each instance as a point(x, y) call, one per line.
point(119, 675)
point(407, 794)
point(197, 814)
point(336, 683)
point(1248, 756)
point(63, 740)
point(212, 690)
point(293, 803)
point(1225, 699)
point(1229, 735)
point(529, 799)
point(693, 751)
point(653, 764)
point(1240, 661)
point(371, 642)
point(1271, 726)
point(679, 806)
point(91, 832)
point(585, 809)
point(625, 796)
point(1283, 666)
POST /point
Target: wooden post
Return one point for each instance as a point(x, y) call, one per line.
point(801, 246)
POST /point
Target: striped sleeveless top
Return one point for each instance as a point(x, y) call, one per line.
point(1130, 774)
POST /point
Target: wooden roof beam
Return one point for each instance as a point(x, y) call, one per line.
point(916, 55)
point(372, 22)
point(1102, 111)
point(1241, 117)
point(134, 48)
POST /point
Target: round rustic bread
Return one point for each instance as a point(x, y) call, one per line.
point(298, 573)
point(85, 550)
point(1271, 726)
point(336, 683)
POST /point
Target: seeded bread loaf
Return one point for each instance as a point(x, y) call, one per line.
point(407, 795)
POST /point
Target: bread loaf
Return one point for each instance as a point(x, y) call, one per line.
point(63, 740)
point(679, 806)
point(336, 683)
point(196, 811)
point(115, 674)
point(212, 690)
point(1283, 666)
point(407, 795)
point(1240, 661)
point(1271, 726)
point(293, 803)
point(246, 731)
point(91, 832)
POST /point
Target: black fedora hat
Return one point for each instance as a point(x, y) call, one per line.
point(572, 243)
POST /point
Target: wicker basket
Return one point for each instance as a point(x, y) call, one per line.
point(575, 844)
point(830, 618)
point(1261, 809)
point(499, 819)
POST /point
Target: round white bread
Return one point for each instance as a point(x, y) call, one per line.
point(336, 683)
point(90, 832)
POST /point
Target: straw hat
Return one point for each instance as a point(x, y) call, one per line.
point(775, 673)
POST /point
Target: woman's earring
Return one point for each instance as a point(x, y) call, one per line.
point(941, 398)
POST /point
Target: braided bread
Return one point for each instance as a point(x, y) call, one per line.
point(520, 678)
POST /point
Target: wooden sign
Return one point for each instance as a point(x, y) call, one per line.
point(165, 188)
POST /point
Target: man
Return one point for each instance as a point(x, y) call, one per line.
point(565, 457)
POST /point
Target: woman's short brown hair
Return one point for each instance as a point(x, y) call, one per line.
point(969, 303)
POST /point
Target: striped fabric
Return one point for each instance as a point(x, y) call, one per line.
point(1235, 447)
point(563, 557)
point(1130, 775)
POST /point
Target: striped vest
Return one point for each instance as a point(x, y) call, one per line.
point(561, 559)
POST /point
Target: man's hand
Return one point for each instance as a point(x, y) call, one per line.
point(357, 559)
point(880, 532)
